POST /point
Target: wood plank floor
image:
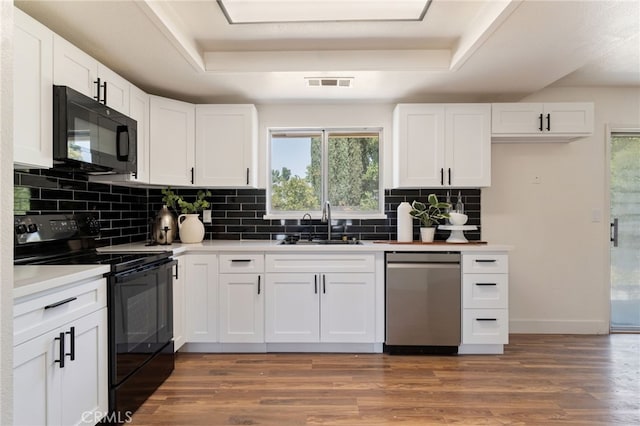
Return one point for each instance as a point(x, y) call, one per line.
point(540, 380)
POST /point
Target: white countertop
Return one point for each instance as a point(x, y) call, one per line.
point(30, 279)
point(274, 246)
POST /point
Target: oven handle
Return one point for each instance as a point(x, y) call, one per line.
point(126, 275)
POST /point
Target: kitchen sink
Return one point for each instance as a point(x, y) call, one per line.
point(321, 242)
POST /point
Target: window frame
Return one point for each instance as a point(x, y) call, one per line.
point(325, 132)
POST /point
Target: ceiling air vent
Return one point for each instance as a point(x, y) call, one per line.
point(329, 81)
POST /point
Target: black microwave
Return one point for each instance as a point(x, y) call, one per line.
point(91, 137)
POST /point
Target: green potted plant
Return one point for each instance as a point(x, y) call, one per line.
point(429, 215)
point(189, 224)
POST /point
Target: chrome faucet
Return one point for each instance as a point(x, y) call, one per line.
point(326, 217)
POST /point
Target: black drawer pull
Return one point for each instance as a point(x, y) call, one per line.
point(259, 284)
point(486, 260)
point(240, 260)
point(62, 302)
point(486, 319)
point(486, 284)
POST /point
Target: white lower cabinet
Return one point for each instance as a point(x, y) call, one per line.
point(179, 328)
point(242, 293)
point(485, 303)
point(320, 298)
point(60, 376)
point(201, 297)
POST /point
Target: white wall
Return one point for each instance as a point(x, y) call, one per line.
point(559, 270)
point(6, 211)
point(338, 115)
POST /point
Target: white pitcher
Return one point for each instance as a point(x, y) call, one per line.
point(191, 229)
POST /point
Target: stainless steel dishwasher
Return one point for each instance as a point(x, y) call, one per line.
point(422, 308)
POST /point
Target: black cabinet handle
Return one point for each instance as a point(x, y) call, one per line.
point(540, 122)
point(486, 284)
point(614, 232)
point(486, 319)
point(240, 260)
point(247, 176)
point(72, 343)
point(104, 92)
point(258, 284)
point(441, 176)
point(62, 302)
point(192, 175)
point(176, 274)
point(449, 175)
point(485, 260)
point(315, 284)
point(97, 83)
point(324, 284)
point(60, 361)
point(549, 122)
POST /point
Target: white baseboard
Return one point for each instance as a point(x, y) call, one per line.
point(538, 326)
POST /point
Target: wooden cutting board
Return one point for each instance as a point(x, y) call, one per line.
point(432, 243)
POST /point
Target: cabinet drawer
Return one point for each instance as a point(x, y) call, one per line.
point(485, 326)
point(485, 291)
point(37, 315)
point(485, 263)
point(338, 262)
point(241, 263)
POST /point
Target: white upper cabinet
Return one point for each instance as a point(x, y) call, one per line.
point(226, 145)
point(560, 121)
point(74, 68)
point(171, 142)
point(33, 93)
point(139, 111)
point(437, 145)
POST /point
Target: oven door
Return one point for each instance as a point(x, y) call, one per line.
point(140, 317)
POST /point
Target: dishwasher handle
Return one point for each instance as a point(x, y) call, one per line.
point(411, 265)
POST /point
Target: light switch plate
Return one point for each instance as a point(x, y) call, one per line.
point(206, 216)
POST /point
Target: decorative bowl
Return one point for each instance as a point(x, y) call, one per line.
point(457, 219)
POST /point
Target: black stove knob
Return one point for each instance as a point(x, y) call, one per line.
point(32, 227)
point(21, 229)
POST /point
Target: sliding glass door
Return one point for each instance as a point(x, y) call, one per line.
point(625, 231)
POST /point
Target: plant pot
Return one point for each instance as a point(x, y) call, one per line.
point(191, 228)
point(427, 234)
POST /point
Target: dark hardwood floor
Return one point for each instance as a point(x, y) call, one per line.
point(540, 380)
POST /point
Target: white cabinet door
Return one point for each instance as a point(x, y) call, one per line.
point(418, 145)
point(201, 290)
point(347, 308)
point(36, 381)
point(84, 386)
point(171, 142)
point(569, 117)
point(226, 145)
point(33, 93)
point(139, 111)
point(468, 145)
point(292, 307)
point(438, 145)
point(241, 308)
point(45, 393)
point(114, 91)
point(74, 68)
point(179, 297)
point(516, 117)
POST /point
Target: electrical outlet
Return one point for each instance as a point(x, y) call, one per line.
point(206, 216)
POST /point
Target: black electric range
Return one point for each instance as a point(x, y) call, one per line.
point(139, 300)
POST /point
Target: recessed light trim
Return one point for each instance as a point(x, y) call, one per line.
point(296, 11)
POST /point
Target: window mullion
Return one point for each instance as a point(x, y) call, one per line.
point(325, 167)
